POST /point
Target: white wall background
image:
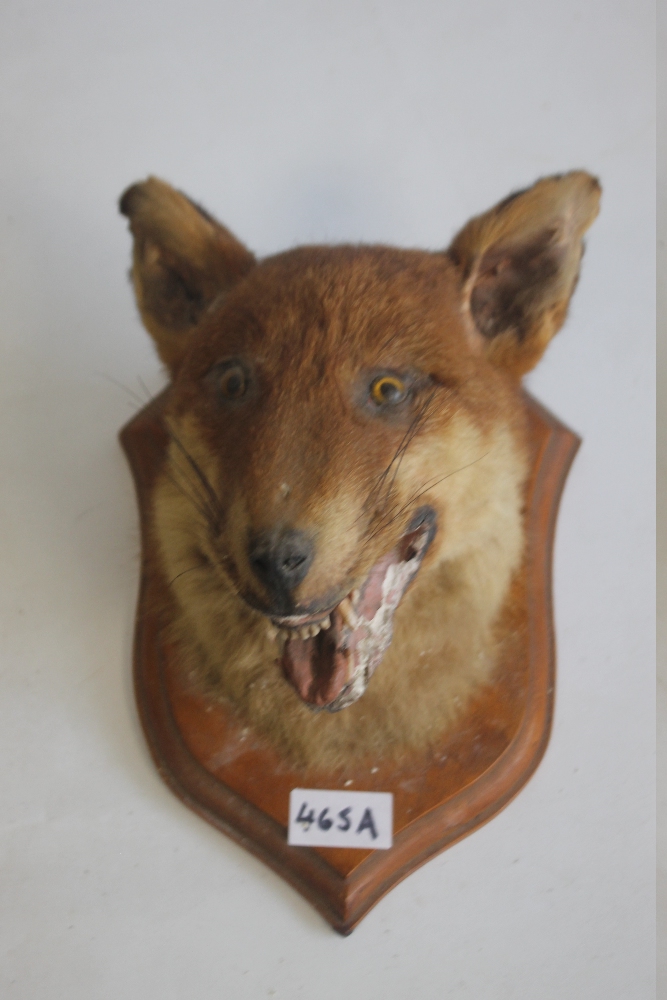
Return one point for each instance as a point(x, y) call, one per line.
point(662, 499)
point(300, 121)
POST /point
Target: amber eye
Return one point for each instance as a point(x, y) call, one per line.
point(387, 390)
point(233, 382)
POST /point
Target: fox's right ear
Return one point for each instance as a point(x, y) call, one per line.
point(183, 259)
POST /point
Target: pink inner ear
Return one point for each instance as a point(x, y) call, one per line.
point(513, 283)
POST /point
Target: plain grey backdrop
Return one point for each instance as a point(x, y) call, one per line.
point(662, 498)
point(295, 122)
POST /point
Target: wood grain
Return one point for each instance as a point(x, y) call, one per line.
point(237, 782)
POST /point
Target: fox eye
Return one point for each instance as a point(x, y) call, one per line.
point(232, 382)
point(388, 390)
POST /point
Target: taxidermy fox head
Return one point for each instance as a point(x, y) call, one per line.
point(344, 482)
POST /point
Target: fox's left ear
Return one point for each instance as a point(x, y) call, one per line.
point(519, 265)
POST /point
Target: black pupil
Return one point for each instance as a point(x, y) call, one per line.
point(388, 390)
point(233, 385)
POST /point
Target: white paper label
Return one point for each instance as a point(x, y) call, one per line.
point(321, 818)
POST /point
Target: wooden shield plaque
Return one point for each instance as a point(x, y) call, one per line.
point(235, 780)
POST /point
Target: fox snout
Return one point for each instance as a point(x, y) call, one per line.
point(280, 559)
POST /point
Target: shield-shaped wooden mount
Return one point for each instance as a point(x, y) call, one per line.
point(235, 780)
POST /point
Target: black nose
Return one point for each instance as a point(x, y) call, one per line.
point(281, 560)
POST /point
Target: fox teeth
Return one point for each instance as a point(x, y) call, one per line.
point(347, 613)
point(355, 595)
point(303, 632)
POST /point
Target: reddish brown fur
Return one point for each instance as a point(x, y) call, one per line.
point(305, 448)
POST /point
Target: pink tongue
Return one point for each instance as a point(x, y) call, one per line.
point(318, 668)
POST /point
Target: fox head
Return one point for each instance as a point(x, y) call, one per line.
point(340, 416)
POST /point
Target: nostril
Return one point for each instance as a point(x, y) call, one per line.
point(281, 559)
point(261, 564)
point(293, 562)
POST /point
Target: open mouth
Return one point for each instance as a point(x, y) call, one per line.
point(329, 659)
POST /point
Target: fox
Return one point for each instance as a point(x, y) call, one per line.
point(339, 518)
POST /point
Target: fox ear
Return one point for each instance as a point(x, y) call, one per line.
point(519, 265)
point(183, 259)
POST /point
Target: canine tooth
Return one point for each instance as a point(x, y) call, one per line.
point(355, 595)
point(314, 630)
point(272, 631)
point(347, 613)
point(305, 632)
point(326, 623)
